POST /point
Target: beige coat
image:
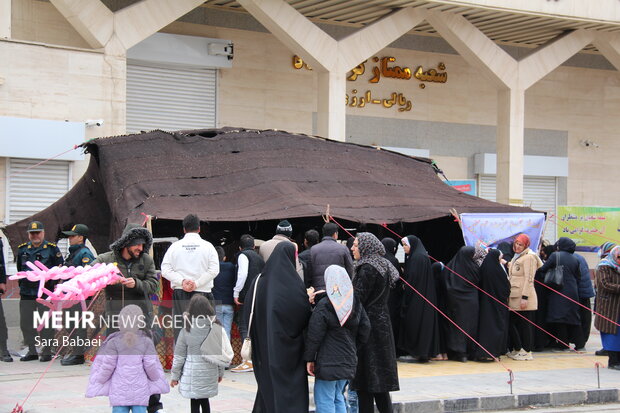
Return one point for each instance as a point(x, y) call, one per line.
point(267, 248)
point(522, 271)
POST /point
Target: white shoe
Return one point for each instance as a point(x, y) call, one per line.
point(523, 356)
point(244, 367)
point(512, 354)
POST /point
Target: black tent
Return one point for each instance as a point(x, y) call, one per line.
point(241, 180)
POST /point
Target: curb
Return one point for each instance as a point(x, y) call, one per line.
point(468, 404)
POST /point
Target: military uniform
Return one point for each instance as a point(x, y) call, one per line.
point(47, 253)
point(50, 256)
point(79, 256)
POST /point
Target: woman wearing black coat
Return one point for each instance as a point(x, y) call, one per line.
point(419, 327)
point(562, 314)
point(396, 290)
point(377, 373)
point(462, 303)
point(493, 318)
point(338, 327)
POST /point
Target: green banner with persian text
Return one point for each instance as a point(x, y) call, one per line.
point(589, 227)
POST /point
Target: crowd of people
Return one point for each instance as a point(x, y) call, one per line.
point(342, 313)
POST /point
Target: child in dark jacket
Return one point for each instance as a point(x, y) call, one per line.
point(338, 325)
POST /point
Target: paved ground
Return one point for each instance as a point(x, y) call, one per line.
point(436, 386)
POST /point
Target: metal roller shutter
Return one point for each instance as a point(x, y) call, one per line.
point(170, 98)
point(539, 193)
point(30, 191)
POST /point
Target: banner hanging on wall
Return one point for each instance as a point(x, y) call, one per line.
point(589, 226)
point(493, 229)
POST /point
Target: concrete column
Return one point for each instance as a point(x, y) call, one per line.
point(609, 45)
point(510, 136)
point(512, 78)
point(331, 113)
point(5, 19)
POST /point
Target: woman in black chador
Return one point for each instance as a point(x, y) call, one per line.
point(419, 328)
point(396, 290)
point(281, 313)
point(462, 303)
point(493, 320)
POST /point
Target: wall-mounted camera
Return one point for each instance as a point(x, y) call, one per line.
point(588, 143)
point(93, 122)
point(221, 49)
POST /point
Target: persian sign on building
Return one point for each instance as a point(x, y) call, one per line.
point(589, 226)
point(384, 68)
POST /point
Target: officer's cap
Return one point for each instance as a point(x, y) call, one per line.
point(78, 229)
point(35, 226)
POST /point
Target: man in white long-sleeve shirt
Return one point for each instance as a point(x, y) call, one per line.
point(190, 264)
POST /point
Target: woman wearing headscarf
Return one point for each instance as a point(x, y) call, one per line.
point(603, 252)
point(281, 313)
point(523, 299)
point(493, 319)
point(419, 332)
point(396, 290)
point(605, 249)
point(562, 314)
point(376, 374)
point(462, 303)
point(608, 305)
point(442, 294)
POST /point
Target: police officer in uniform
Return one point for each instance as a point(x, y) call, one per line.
point(37, 249)
point(79, 256)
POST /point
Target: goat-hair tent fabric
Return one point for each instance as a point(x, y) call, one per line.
point(246, 175)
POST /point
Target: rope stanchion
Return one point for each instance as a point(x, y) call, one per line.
point(597, 366)
point(19, 408)
point(21, 171)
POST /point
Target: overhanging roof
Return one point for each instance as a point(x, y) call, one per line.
point(247, 175)
point(514, 27)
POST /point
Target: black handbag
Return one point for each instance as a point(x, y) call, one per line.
point(554, 278)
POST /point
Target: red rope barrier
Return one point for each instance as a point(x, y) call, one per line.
point(494, 298)
point(43, 161)
point(457, 326)
point(543, 284)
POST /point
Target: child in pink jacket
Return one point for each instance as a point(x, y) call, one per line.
point(127, 368)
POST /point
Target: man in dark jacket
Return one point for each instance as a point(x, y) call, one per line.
point(36, 249)
point(328, 252)
point(139, 282)
point(79, 256)
point(137, 268)
point(311, 238)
